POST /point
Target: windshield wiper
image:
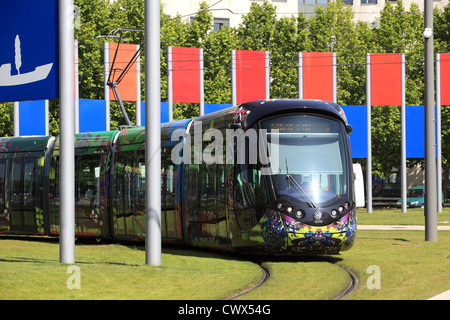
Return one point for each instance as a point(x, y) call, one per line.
point(298, 187)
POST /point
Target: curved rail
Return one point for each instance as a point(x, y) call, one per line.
point(266, 276)
point(352, 285)
point(354, 282)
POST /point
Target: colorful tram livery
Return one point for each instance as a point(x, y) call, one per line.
point(298, 197)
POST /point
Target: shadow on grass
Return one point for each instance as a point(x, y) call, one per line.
point(180, 250)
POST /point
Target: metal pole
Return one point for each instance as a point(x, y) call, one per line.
point(202, 84)
point(16, 119)
point(106, 72)
point(438, 133)
point(334, 78)
point(152, 133)
point(170, 82)
point(300, 75)
point(47, 126)
point(76, 88)
point(233, 78)
point(138, 88)
point(67, 130)
point(404, 186)
point(122, 107)
point(369, 136)
point(430, 151)
point(267, 68)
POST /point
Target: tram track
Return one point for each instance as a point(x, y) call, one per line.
point(265, 277)
point(353, 284)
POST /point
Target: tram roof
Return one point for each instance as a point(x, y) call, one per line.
point(24, 144)
point(266, 108)
point(136, 135)
point(93, 140)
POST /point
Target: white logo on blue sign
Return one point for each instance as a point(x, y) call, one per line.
point(7, 79)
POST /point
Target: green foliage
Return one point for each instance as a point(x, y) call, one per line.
point(332, 28)
point(6, 119)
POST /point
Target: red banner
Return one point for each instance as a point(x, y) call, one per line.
point(386, 79)
point(318, 75)
point(186, 74)
point(128, 85)
point(250, 75)
point(445, 79)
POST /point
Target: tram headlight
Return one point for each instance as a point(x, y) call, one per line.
point(289, 209)
point(341, 209)
point(334, 213)
point(280, 206)
point(299, 214)
point(347, 205)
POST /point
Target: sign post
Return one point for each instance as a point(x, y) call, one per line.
point(430, 151)
point(38, 66)
point(67, 131)
point(152, 133)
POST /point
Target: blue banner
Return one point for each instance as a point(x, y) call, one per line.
point(92, 115)
point(32, 118)
point(93, 118)
point(357, 118)
point(164, 112)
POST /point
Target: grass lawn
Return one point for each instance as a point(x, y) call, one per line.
point(413, 216)
point(409, 268)
point(31, 270)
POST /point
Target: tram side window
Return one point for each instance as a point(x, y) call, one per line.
point(212, 186)
point(53, 193)
point(250, 189)
point(88, 181)
point(193, 190)
point(140, 190)
point(30, 186)
point(125, 172)
point(16, 180)
point(2, 184)
point(204, 186)
point(167, 191)
point(167, 178)
point(207, 191)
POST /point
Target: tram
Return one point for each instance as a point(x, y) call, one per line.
point(268, 176)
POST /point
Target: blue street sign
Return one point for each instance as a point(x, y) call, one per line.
point(29, 50)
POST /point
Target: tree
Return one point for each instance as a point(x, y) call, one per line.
point(217, 63)
point(332, 29)
point(258, 27)
point(442, 44)
point(401, 32)
point(6, 119)
point(442, 29)
point(289, 38)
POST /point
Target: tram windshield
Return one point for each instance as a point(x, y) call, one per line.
point(307, 157)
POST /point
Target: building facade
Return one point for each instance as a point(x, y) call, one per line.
point(226, 12)
point(365, 10)
point(230, 12)
point(368, 10)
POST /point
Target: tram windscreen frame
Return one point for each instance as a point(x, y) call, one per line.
point(311, 165)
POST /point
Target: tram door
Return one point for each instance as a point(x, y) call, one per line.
point(24, 199)
point(4, 216)
point(125, 204)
